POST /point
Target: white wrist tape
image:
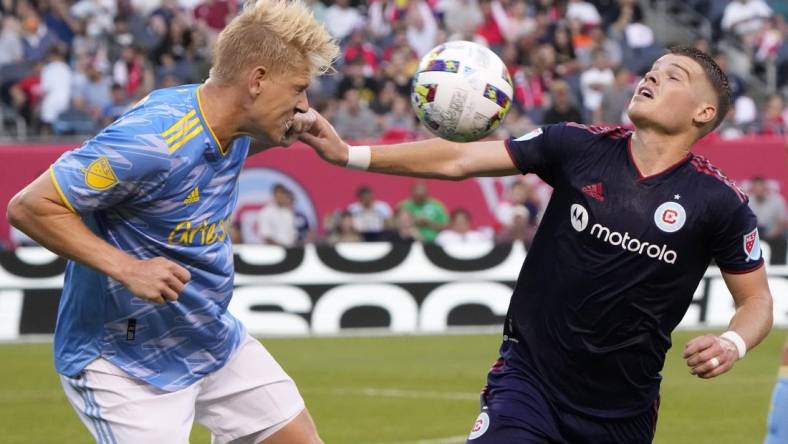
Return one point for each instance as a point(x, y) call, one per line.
point(737, 340)
point(358, 157)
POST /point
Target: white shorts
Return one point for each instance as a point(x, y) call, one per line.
point(246, 401)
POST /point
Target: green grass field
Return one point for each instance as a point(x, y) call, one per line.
point(407, 390)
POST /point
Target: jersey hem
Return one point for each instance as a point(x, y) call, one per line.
point(60, 190)
point(511, 156)
point(749, 270)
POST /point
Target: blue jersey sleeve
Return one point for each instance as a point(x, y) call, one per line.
point(736, 246)
point(119, 166)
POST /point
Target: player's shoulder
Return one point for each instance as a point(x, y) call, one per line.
point(580, 132)
point(716, 185)
point(162, 108)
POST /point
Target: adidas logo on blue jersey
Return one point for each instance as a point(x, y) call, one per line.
point(193, 197)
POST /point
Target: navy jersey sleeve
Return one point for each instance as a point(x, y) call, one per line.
point(115, 167)
point(539, 152)
point(735, 243)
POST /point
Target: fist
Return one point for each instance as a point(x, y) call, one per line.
point(155, 280)
point(302, 123)
point(709, 356)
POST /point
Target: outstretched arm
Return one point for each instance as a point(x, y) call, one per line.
point(436, 158)
point(751, 322)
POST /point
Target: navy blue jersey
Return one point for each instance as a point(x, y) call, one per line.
point(614, 264)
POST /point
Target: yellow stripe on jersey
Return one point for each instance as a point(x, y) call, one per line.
point(60, 190)
point(179, 123)
point(182, 131)
point(185, 139)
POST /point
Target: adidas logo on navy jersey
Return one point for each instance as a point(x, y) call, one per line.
point(579, 219)
point(193, 197)
point(595, 190)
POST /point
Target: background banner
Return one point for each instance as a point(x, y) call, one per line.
point(320, 290)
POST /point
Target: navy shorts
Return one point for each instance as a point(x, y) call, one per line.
point(515, 410)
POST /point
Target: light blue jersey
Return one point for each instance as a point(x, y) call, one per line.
point(154, 183)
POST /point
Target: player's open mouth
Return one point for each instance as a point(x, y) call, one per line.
point(644, 91)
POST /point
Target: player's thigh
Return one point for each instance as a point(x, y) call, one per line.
point(638, 429)
point(513, 417)
point(118, 408)
point(250, 396)
point(777, 424)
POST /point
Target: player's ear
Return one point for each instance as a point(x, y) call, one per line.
point(257, 77)
point(705, 114)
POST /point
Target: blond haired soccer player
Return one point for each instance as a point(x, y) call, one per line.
point(633, 223)
point(144, 344)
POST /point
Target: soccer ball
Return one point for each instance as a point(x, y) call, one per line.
point(461, 91)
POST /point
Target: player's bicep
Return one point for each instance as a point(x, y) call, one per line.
point(40, 198)
point(747, 286)
point(490, 158)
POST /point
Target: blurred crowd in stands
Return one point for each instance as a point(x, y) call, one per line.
point(72, 66)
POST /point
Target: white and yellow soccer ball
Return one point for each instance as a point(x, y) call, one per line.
point(461, 91)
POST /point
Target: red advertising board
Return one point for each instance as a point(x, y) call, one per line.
point(322, 188)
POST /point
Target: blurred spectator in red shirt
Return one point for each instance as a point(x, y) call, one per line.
point(358, 48)
point(216, 14)
point(26, 94)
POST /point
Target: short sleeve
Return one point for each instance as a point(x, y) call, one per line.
point(538, 152)
point(736, 246)
point(110, 170)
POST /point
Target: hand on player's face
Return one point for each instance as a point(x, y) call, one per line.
point(302, 122)
point(325, 141)
point(702, 351)
point(156, 280)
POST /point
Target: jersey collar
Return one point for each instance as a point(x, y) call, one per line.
point(213, 139)
point(656, 176)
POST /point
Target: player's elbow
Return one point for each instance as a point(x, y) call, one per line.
point(18, 210)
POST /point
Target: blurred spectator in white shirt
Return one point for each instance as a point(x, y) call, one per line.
point(460, 231)
point(582, 11)
point(769, 208)
point(422, 28)
point(10, 41)
point(745, 17)
point(461, 17)
point(371, 217)
point(276, 223)
point(595, 80)
point(55, 86)
point(341, 19)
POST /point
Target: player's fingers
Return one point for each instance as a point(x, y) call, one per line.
point(697, 344)
point(169, 294)
point(180, 272)
point(704, 355)
point(175, 284)
point(720, 369)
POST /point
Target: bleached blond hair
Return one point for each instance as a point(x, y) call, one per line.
point(279, 34)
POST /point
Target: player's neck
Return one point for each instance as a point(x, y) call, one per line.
point(219, 109)
point(655, 152)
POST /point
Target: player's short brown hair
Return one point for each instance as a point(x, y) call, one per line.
point(717, 78)
point(280, 34)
